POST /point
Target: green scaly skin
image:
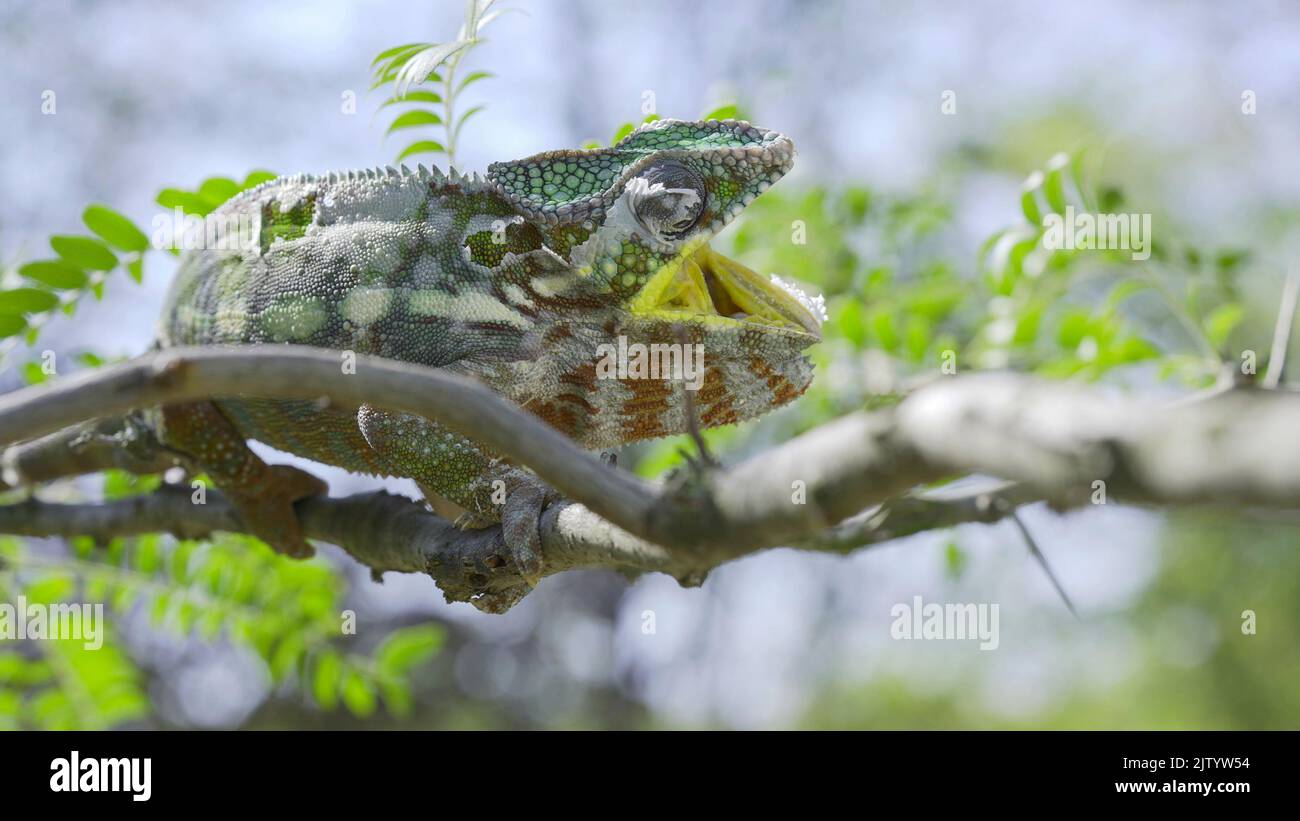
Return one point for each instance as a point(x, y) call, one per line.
point(515, 280)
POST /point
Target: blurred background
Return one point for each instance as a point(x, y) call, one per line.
point(916, 127)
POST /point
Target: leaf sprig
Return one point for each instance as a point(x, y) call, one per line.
point(34, 292)
point(404, 68)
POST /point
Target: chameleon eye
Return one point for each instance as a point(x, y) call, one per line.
point(668, 200)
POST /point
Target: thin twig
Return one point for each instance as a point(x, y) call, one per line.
point(1042, 561)
point(1282, 330)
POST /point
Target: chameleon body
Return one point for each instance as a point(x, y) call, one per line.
point(515, 279)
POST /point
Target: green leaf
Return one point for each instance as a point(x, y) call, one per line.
point(50, 588)
point(27, 301)
point(161, 606)
point(412, 119)
point(954, 560)
point(1229, 261)
point(83, 252)
point(1029, 198)
point(387, 75)
point(1132, 349)
point(287, 656)
point(53, 710)
point(11, 325)
point(326, 679)
point(916, 331)
point(187, 201)
point(1054, 185)
point(1073, 328)
point(358, 695)
point(417, 96)
point(216, 190)
point(421, 147)
point(135, 269)
point(473, 77)
point(1079, 174)
point(623, 131)
point(34, 374)
point(882, 325)
point(54, 273)
point(935, 300)
point(848, 318)
point(1027, 325)
point(725, 112)
point(408, 647)
point(114, 228)
point(396, 50)
point(397, 696)
point(463, 119)
point(1221, 322)
point(257, 177)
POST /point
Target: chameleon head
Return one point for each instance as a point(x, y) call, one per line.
point(632, 224)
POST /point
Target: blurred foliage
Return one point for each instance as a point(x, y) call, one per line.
point(1189, 662)
point(31, 293)
point(405, 70)
point(231, 589)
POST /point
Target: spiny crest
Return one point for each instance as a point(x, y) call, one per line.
point(472, 182)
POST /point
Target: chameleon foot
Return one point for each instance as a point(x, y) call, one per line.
point(268, 513)
point(526, 498)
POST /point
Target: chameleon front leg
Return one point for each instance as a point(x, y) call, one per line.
point(262, 494)
point(451, 468)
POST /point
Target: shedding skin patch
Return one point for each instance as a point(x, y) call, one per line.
point(471, 306)
point(294, 318)
point(517, 296)
point(365, 306)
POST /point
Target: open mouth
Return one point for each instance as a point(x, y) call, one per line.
point(707, 286)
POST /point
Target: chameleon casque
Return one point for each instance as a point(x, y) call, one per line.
point(515, 280)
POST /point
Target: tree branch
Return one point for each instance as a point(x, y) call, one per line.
point(1061, 442)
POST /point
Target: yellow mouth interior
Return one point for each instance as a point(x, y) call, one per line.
point(705, 286)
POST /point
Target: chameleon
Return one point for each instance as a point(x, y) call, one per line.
point(517, 278)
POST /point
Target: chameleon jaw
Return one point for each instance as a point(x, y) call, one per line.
point(705, 286)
